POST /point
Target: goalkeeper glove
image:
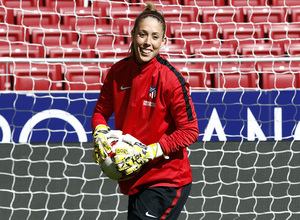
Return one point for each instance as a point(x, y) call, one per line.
point(129, 159)
point(101, 146)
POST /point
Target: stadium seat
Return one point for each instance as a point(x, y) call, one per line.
point(280, 75)
point(157, 2)
point(33, 17)
point(91, 35)
point(188, 32)
point(81, 16)
point(292, 49)
point(234, 75)
point(213, 50)
point(21, 4)
point(68, 51)
point(221, 14)
point(265, 14)
point(295, 14)
point(120, 14)
point(285, 2)
point(83, 77)
point(33, 76)
point(51, 36)
point(242, 33)
point(284, 33)
point(5, 83)
point(262, 50)
point(21, 50)
point(201, 3)
point(112, 51)
point(237, 3)
point(176, 13)
point(6, 15)
point(13, 33)
point(63, 3)
point(195, 74)
point(171, 51)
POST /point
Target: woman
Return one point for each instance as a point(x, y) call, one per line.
point(152, 106)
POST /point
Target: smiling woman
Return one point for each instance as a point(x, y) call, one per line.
point(153, 108)
point(148, 34)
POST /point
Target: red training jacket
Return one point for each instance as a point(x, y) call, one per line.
point(152, 103)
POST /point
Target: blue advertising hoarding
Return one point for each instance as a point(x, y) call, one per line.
point(222, 115)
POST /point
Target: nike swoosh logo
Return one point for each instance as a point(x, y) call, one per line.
point(124, 88)
point(149, 215)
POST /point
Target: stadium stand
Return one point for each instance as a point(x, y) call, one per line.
point(281, 75)
point(33, 17)
point(83, 77)
point(234, 75)
point(195, 29)
point(32, 76)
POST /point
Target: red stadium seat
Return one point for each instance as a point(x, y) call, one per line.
point(68, 51)
point(33, 76)
point(158, 2)
point(262, 50)
point(284, 33)
point(242, 33)
point(21, 50)
point(33, 17)
point(175, 51)
point(189, 32)
point(5, 83)
point(91, 35)
point(122, 14)
point(234, 75)
point(295, 14)
point(13, 33)
point(176, 13)
point(213, 50)
point(22, 4)
point(280, 75)
point(87, 77)
point(51, 36)
point(109, 8)
point(6, 15)
point(265, 14)
point(81, 16)
point(221, 14)
point(285, 2)
point(195, 74)
point(115, 51)
point(237, 3)
point(201, 3)
point(293, 49)
point(63, 3)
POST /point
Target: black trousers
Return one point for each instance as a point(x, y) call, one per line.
point(158, 203)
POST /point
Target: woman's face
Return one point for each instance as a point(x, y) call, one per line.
point(147, 39)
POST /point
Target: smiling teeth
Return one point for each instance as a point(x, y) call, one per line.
point(146, 51)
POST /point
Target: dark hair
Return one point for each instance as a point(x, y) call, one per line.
point(149, 11)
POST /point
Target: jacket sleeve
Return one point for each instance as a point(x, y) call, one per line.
point(104, 107)
point(185, 119)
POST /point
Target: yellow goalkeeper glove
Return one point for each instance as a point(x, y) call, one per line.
point(101, 146)
point(129, 159)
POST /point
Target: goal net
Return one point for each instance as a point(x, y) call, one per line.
point(241, 60)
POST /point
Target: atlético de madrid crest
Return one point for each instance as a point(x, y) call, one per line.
point(152, 91)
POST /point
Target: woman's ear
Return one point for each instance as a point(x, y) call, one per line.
point(164, 40)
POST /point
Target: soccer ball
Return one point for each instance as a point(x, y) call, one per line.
point(108, 167)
